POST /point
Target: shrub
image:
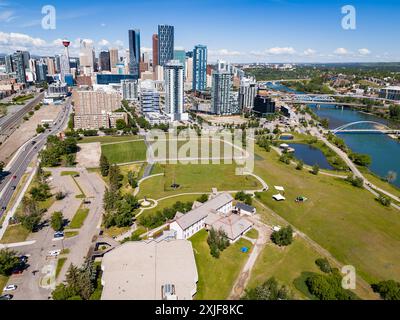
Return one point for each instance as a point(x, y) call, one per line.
point(324, 265)
point(283, 237)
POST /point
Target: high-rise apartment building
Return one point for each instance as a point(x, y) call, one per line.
point(199, 68)
point(149, 97)
point(247, 93)
point(51, 67)
point(104, 61)
point(113, 57)
point(134, 53)
point(129, 90)
point(9, 64)
point(180, 55)
point(96, 102)
point(155, 51)
point(189, 70)
point(165, 44)
point(174, 100)
point(18, 59)
point(221, 93)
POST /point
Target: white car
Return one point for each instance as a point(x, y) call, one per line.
point(10, 287)
point(54, 253)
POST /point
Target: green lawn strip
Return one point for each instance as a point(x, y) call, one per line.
point(108, 139)
point(115, 231)
point(69, 173)
point(253, 234)
point(345, 220)
point(15, 233)
point(82, 195)
point(125, 152)
point(79, 218)
point(3, 282)
point(196, 178)
point(60, 264)
point(217, 276)
point(70, 234)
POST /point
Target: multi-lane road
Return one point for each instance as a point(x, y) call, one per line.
point(10, 122)
point(18, 165)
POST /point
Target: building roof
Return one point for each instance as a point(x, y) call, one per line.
point(202, 211)
point(245, 207)
point(138, 270)
point(233, 225)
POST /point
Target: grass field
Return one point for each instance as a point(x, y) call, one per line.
point(79, 218)
point(253, 234)
point(217, 276)
point(196, 178)
point(125, 152)
point(69, 173)
point(108, 139)
point(345, 220)
point(70, 234)
point(15, 233)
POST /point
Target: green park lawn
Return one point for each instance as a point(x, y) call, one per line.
point(125, 152)
point(108, 139)
point(253, 234)
point(15, 233)
point(345, 220)
point(217, 276)
point(60, 264)
point(79, 218)
point(196, 178)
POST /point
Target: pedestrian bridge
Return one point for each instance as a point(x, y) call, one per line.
point(365, 127)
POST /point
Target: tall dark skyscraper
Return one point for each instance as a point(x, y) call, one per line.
point(104, 61)
point(9, 64)
point(199, 68)
point(155, 51)
point(165, 44)
point(134, 52)
point(20, 66)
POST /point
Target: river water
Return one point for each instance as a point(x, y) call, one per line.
point(384, 151)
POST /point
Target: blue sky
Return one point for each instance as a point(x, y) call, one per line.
point(235, 30)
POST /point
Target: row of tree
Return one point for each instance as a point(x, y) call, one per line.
point(59, 152)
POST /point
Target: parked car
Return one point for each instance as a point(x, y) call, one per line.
point(10, 287)
point(54, 253)
point(59, 234)
point(6, 297)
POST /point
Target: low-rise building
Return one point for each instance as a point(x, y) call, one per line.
point(150, 270)
point(391, 93)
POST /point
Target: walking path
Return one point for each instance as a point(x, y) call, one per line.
point(264, 234)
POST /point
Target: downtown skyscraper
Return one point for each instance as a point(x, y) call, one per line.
point(165, 44)
point(134, 53)
point(199, 68)
point(174, 100)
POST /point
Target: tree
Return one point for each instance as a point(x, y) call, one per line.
point(120, 124)
point(1, 167)
point(132, 180)
point(324, 265)
point(218, 241)
point(391, 176)
point(246, 198)
point(104, 165)
point(57, 221)
point(315, 169)
point(115, 177)
point(384, 200)
point(355, 181)
point(388, 290)
point(300, 165)
point(8, 261)
point(360, 159)
point(31, 215)
point(283, 237)
point(40, 129)
point(203, 198)
point(269, 290)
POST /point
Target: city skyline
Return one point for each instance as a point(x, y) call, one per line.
point(269, 31)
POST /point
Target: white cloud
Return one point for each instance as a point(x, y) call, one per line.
point(309, 52)
point(280, 51)
point(341, 51)
point(104, 43)
point(7, 16)
point(224, 53)
point(364, 52)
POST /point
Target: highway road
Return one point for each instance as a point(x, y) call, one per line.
point(11, 121)
point(24, 156)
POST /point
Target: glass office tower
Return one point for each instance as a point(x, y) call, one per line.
point(199, 68)
point(165, 44)
point(134, 53)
